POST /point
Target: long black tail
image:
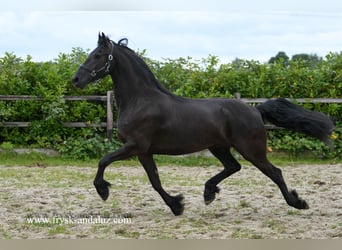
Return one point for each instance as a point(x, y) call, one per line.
point(284, 113)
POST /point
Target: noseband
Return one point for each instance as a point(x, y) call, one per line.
point(106, 67)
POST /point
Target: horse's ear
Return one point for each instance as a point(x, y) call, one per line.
point(100, 41)
point(103, 39)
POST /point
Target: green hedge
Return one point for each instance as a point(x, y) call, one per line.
point(184, 76)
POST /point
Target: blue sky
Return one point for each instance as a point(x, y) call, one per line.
point(228, 29)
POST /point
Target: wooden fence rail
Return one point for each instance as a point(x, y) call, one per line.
point(298, 100)
point(109, 99)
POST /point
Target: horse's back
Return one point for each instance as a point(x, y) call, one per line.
point(208, 121)
point(234, 111)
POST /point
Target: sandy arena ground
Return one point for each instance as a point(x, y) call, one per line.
point(40, 202)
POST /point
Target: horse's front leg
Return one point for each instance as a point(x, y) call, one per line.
point(102, 186)
point(174, 202)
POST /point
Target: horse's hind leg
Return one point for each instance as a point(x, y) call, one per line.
point(174, 202)
point(230, 167)
point(255, 152)
point(276, 176)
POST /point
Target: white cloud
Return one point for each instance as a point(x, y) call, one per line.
point(175, 5)
point(230, 32)
point(7, 19)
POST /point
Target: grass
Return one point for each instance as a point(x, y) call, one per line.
point(40, 160)
point(4, 233)
point(126, 233)
point(244, 204)
point(243, 234)
point(58, 229)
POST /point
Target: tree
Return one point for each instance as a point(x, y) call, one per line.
point(307, 59)
point(281, 57)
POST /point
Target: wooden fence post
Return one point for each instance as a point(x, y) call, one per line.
point(237, 95)
point(110, 121)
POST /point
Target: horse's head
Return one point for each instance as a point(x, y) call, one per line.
point(97, 65)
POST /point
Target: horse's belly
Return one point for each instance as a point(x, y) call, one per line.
point(186, 141)
point(174, 150)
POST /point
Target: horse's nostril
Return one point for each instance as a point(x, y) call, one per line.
point(75, 79)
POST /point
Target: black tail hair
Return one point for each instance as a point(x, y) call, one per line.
point(284, 113)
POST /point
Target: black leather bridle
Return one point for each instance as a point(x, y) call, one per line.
point(106, 67)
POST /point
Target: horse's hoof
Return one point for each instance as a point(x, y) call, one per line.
point(304, 204)
point(300, 203)
point(177, 205)
point(208, 200)
point(210, 194)
point(102, 189)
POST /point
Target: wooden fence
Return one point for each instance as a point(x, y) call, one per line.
point(109, 99)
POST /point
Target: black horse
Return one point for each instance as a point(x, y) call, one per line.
point(152, 120)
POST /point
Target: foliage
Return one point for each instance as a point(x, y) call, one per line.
point(91, 145)
point(304, 76)
point(281, 57)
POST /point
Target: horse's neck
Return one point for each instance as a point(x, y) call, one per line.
point(130, 86)
point(134, 81)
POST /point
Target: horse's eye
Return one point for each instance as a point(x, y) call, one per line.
point(97, 56)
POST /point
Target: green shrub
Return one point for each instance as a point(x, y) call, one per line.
point(183, 76)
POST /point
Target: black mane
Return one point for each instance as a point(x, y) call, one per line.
point(122, 43)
